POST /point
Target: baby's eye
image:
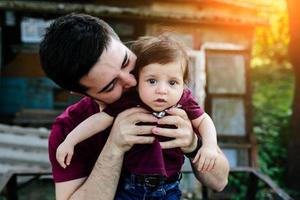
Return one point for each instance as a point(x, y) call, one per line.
point(152, 81)
point(172, 82)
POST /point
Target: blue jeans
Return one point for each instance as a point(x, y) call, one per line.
point(128, 189)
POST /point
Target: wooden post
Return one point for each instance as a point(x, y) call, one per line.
point(12, 188)
point(204, 192)
point(252, 187)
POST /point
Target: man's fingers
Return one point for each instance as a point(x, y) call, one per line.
point(170, 120)
point(142, 117)
point(179, 112)
point(164, 132)
point(142, 130)
point(141, 139)
point(169, 144)
point(137, 117)
point(133, 111)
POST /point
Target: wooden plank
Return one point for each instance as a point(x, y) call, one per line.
point(23, 148)
point(265, 179)
point(278, 191)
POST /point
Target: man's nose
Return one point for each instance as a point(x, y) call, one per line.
point(127, 79)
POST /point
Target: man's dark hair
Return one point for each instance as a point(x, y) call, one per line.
point(71, 46)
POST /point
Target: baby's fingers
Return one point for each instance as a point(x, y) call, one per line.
point(211, 165)
point(61, 160)
point(201, 163)
point(69, 158)
point(196, 157)
point(206, 164)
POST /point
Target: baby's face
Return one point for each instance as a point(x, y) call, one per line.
point(161, 86)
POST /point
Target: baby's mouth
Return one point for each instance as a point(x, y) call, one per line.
point(160, 100)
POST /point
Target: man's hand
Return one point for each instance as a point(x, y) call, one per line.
point(184, 136)
point(125, 133)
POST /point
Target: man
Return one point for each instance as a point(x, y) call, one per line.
point(84, 55)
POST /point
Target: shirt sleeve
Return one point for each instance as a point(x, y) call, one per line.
point(190, 105)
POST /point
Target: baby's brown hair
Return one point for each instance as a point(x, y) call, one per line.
point(162, 50)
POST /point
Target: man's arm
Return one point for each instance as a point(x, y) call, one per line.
point(104, 178)
point(102, 183)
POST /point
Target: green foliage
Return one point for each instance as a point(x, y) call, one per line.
point(238, 186)
point(272, 77)
point(272, 100)
point(37, 189)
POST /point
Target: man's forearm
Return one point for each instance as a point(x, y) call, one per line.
point(103, 180)
point(217, 178)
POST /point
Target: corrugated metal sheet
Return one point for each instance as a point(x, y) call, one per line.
point(23, 148)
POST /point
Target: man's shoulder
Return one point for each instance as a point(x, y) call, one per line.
point(73, 115)
point(79, 110)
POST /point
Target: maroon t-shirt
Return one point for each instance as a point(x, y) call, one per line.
point(150, 158)
point(141, 159)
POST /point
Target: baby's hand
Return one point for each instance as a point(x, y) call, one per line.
point(64, 154)
point(206, 157)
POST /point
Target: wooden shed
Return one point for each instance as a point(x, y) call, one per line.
point(219, 33)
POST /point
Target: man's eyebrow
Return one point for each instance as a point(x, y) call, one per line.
point(112, 81)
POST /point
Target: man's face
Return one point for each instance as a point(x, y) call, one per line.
point(110, 76)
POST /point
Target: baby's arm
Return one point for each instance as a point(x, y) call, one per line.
point(209, 150)
point(89, 127)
